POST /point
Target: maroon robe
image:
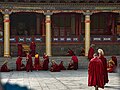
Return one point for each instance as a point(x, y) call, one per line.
point(114, 59)
point(96, 73)
point(54, 68)
point(18, 63)
point(19, 49)
point(45, 62)
point(112, 64)
point(111, 67)
point(29, 65)
point(70, 66)
point(32, 48)
point(37, 63)
point(70, 52)
point(75, 62)
point(90, 53)
point(4, 68)
point(61, 66)
point(82, 53)
point(104, 61)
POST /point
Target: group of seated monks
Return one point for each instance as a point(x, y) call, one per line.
point(44, 65)
point(41, 65)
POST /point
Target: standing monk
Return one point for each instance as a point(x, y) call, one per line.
point(29, 65)
point(75, 61)
point(37, 62)
point(19, 49)
point(91, 52)
point(19, 65)
point(104, 61)
point(32, 48)
point(45, 62)
point(96, 73)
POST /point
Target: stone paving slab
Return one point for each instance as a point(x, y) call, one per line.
point(64, 80)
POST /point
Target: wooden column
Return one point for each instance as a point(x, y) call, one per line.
point(38, 23)
point(48, 33)
point(87, 31)
point(6, 33)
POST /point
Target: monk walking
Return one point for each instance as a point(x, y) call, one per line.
point(96, 73)
point(104, 61)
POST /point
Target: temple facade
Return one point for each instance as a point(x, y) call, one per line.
point(56, 25)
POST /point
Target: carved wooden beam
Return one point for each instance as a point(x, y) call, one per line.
point(61, 7)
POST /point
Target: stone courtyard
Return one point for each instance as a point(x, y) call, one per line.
point(64, 80)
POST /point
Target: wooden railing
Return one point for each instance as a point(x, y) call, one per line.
point(68, 39)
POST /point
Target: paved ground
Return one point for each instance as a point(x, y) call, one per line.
point(64, 80)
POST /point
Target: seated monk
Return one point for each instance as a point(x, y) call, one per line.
point(70, 52)
point(19, 65)
point(71, 65)
point(37, 65)
point(111, 65)
point(54, 67)
point(61, 66)
point(82, 52)
point(114, 59)
point(4, 67)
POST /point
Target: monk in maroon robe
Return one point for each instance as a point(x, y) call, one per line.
point(82, 53)
point(70, 66)
point(29, 65)
point(111, 67)
point(4, 67)
point(91, 52)
point(19, 65)
point(45, 62)
point(114, 58)
point(32, 48)
point(61, 66)
point(104, 61)
point(70, 52)
point(54, 67)
point(75, 62)
point(19, 49)
point(96, 73)
point(112, 64)
point(37, 63)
